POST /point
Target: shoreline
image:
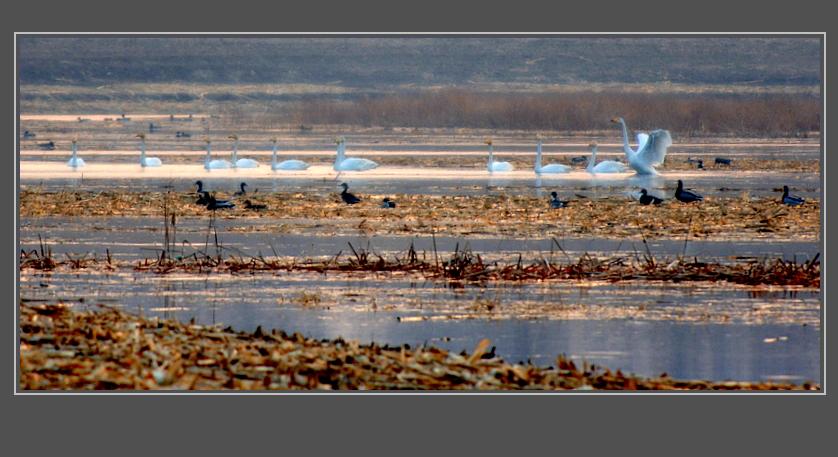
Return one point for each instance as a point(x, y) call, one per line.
point(105, 349)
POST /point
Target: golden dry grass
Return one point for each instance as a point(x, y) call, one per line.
point(739, 217)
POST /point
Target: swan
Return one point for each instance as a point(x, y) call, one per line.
point(552, 168)
point(348, 198)
point(651, 149)
point(646, 199)
point(75, 161)
point(147, 161)
point(286, 164)
point(555, 202)
point(241, 163)
point(791, 200)
point(218, 164)
point(686, 196)
point(496, 166)
point(352, 163)
point(606, 166)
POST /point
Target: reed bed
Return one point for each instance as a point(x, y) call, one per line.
point(465, 266)
point(739, 216)
point(106, 349)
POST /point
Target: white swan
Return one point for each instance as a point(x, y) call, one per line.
point(241, 163)
point(147, 161)
point(75, 161)
point(493, 166)
point(218, 164)
point(552, 168)
point(606, 166)
point(352, 163)
point(286, 164)
point(651, 149)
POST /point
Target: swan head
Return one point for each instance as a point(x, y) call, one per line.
point(617, 120)
point(141, 136)
point(337, 140)
point(539, 136)
point(233, 137)
point(273, 140)
point(592, 144)
point(488, 141)
point(207, 141)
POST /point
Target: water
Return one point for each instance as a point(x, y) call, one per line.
point(691, 331)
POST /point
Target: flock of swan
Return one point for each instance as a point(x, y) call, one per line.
point(649, 153)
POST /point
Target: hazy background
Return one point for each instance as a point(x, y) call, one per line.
point(696, 86)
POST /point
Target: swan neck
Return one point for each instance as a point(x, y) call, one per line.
point(235, 150)
point(209, 154)
point(339, 154)
point(625, 137)
point(592, 162)
point(538, 157)
point(491, 156)
point(142, 151)
point(75, 150)
point(273, 156)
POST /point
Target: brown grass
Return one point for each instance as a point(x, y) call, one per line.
point(685, 114)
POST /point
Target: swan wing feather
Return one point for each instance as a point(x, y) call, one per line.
point(642, 138)
point(653, 151)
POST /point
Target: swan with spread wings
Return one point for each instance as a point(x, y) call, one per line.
point(651, 149)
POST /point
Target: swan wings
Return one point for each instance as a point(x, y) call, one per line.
point(651, 148)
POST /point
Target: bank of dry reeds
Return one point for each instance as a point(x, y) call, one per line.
point(762, 115)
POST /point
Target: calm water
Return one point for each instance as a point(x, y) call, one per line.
point(668, 336)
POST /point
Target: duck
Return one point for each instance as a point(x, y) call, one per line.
point(214, 204)
point(203, 198)
point(723, 161)
point(49, 146)
point(249, 205)
point(348, 198)
point(555, 202)
point(28, 134)
point(646, 199)
point(791, 200)
point(387, 203)
point(686, 196)
point(242, 191)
